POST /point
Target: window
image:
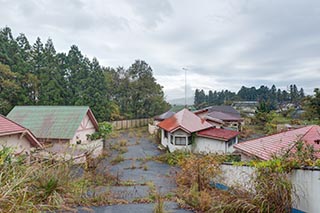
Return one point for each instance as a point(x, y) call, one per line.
point(180, 141)
point(189, 140)
point(165, 134)
point(231, 142)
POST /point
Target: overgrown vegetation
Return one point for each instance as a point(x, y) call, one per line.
point(173, 158)
point(48, 185)
point(38, 186)
point(270, 187)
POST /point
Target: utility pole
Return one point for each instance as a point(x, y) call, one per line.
point(185, 87)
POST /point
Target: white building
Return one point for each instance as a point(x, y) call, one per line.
point(185, 130)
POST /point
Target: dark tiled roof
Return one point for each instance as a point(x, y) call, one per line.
point(163, 116)
point(224, 109)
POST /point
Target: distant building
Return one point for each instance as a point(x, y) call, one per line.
point(247, 107)
point(187, 131)
point(221, 116)
point(16, 136)
point(56, 124)
point(277, 144)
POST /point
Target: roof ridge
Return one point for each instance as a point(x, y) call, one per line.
point(182, 118)
point(311, 126)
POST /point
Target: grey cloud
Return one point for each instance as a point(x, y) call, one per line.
point(151, 12)
point(231, 43)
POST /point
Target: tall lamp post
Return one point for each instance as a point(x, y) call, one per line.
point(185, 86)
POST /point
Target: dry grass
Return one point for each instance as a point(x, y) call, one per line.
point(117, 160)
point(272, 190)
point(45, 185)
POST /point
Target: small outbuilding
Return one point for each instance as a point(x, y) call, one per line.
point(56, 124)
point(16, 136)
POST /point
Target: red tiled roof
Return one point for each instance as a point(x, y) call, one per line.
point(185, 120)
point(8, 127)
point(265, 147)
point(217, 133)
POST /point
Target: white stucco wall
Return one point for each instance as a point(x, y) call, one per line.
point(306, 183)
point(207, 145)
point(86, 127)
point(166, 142)
point(14, 141)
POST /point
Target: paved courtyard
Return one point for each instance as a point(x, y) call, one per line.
point(140, 175)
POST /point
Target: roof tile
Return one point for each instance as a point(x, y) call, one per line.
point(186, 120)
point(268, 146)
point(59, 122)
point(218, 133)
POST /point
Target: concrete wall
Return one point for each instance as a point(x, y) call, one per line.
point(153, 129)
point(86, 128)
point(306, 183)
point(20, 144)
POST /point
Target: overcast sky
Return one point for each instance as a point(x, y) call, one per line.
point(224, 44)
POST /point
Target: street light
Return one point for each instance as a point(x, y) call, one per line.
point(185, 86)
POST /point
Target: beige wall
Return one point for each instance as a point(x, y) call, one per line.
point(14, 141)
point(86, 127)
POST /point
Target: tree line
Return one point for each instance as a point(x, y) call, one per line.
point(271, 98)
point(38, 75)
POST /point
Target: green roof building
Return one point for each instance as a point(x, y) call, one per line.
point(56, 123)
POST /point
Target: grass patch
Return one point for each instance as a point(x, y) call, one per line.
point(123, 142)
point(117, 159)
point(123, 150)
point(145, 168)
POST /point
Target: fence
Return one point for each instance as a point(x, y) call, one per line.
point(306, 183)
point(127, 124)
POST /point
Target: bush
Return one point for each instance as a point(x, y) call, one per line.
point(174, 158)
